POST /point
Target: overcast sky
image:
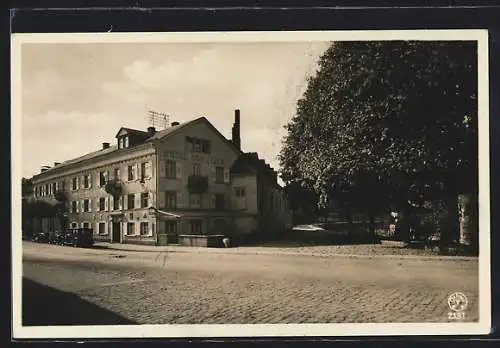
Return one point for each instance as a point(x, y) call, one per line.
point(76, 96)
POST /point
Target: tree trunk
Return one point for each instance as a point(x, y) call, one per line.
point(450, 228)
point(469, 223)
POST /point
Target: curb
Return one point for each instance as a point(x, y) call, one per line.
point(236, 251)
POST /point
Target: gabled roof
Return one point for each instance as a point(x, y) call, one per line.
point(174, 129)
point(163, 134)
point(250, 163)
point(124, 130)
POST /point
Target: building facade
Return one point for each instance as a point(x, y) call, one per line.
point(185, 180)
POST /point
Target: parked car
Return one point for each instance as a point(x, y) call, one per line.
point(57, 237)
point(79, 237)
point(41, 237)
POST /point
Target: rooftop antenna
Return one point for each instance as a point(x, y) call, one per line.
point(158, 119)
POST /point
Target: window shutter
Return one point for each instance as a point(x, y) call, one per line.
point(57, 186)
point(90, 204)
point(213, 201)
point(214, 173)
point(179, 199)
point(77, 182)
point(98, 204)
point(120, 202)
point(82, 206)
point(178, 170)
point(111, 203)
point(148, 170)
point(106, 204)
point(161, 199)
point(137, 171)
point(137, 198)
point(226, 175)
point(163, 164)
point(90, 180)
point(152, 199)
point(71, 207)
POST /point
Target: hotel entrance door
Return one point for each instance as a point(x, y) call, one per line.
point(116, 232)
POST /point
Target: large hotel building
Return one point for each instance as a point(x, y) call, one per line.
point(184, 180)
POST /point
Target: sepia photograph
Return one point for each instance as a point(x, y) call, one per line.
point(250, 184)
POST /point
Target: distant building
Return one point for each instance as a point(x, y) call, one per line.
point(187, 179)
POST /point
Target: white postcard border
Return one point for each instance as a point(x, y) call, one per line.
point(256, 330)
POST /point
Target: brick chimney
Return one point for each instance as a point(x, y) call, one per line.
point(105, 145)
point(236, 137)
point(151, 131)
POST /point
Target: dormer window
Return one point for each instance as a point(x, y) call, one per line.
point(123, 142)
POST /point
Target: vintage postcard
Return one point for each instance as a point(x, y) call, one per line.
point(243, 184)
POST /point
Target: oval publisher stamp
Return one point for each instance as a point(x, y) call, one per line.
point(458, 304)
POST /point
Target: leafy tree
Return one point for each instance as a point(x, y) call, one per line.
point(114, 188)
point(388, 122)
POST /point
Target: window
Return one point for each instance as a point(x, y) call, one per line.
point(130, 173)
point(86, 205)
point(144, 200)
point(125, 142)
point(130, 228)
point(171, 227)
point(130, 201)
point(73, 225)
point(240, 191)
point(86, 179)
point(218, 201)
point(171, 199)
point(144, 228)
point(54, 188)
point(63, 185)
point(73, 207)
point(120, 143)
point(116, 203)
point(195, 226)
point(219, 174)
point(205, 146)
point(102, 203)
point(102, 228)
point(197, 145)
point(195, 200)
point(170, 169)
point(102, 178)
point(75, 183)
point(85, 225)
point(117, 174)
point(47, 188)
point(196, 169)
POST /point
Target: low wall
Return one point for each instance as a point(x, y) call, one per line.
point(139, 240)
point(197, 240)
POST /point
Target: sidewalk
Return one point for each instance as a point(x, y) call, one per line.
point(320, 251)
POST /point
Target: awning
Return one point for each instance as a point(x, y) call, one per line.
point(168, 215)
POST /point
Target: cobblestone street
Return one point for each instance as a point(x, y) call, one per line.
point(207, 287)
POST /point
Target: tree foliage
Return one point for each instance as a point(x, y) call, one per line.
point(387, 122)
point(114, 188)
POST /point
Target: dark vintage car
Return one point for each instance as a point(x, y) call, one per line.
point(41, 237)
point(57, 237)
point(79, 237)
